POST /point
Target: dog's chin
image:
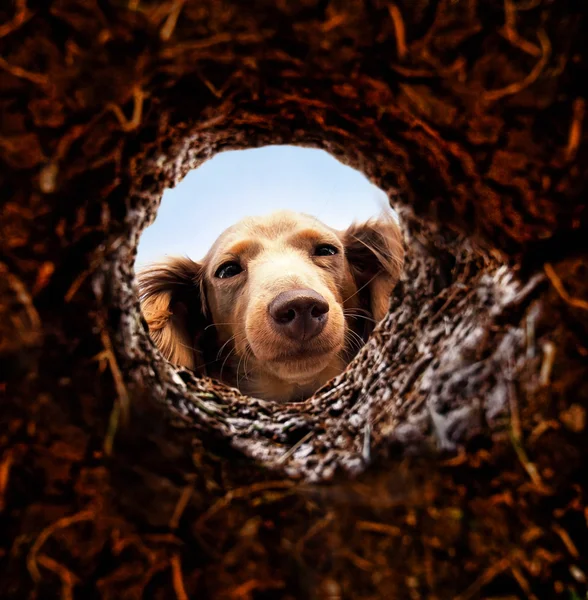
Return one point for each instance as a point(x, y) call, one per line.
point(298, 363)
point(300, 367)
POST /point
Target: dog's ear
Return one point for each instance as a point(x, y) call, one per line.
point(375, 253)
point(173, 304)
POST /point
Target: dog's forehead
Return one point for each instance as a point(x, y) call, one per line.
point(274, 226)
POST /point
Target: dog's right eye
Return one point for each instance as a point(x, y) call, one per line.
point(227, 270)
point(325, 250)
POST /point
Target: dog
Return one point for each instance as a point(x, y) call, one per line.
point(279, 305)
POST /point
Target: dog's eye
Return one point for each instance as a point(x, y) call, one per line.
point(325, 250)
point(227, 270)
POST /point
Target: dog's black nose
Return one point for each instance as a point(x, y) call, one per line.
point(299, 314)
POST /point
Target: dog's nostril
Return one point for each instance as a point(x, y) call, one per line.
point(289, 316)
point(318, 310)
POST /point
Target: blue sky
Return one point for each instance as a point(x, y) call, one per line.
point(236, 184)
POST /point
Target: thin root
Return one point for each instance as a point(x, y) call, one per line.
point(510, 33)
point(242, 492)
point(383, 528)
point(399, 29)
point(5, 466)
point(121, 407)
point(21, 16)
point(172, 19)
point(523, 583)
point(181, 506)
point(135, 121)
point(177, 577)
point(518, 86)
point(487, 576)
point(68, 579)
point(21, 73)
point(567, 540)
point(559, 288)
point(528, 465)
point(575, 135)
point(32, 563)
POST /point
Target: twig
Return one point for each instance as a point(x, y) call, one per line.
point(85, 515)
point(513, 405)
point(547, 365)
point(367, 443)
point(515, 418)
point(530, 334)
point(295, 447)
point(559, 288)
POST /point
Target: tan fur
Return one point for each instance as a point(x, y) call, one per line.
point(221, 327)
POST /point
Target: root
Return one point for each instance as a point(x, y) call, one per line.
point(32, 560)
point(559, 288)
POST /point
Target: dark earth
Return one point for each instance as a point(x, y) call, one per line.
point(450, 460)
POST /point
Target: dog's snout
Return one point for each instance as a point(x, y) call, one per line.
point(299, 314)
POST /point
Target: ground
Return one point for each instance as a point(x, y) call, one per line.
point(449, 461)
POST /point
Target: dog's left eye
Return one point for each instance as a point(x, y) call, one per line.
point(227, 270)
point(325, 250)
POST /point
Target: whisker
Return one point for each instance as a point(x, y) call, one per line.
point(354, 339)
point(389, 257)
point(248, 355)
point(224, 362)
point(223, 346)
point(244, 359)
point(217, 324)
point(193, 348)
point(356, 316)
point(362, 287)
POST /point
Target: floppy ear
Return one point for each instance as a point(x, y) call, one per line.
point(173, 304)
point(375, 253)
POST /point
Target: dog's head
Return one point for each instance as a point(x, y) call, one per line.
point(284, 298)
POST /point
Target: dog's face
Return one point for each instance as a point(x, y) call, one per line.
point(284, 300)
point(277, 285)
